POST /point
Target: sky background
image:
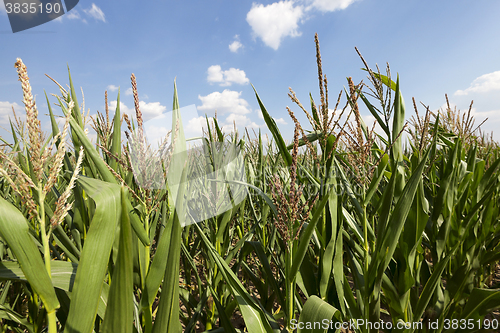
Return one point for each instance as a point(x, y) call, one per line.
point(217, 49)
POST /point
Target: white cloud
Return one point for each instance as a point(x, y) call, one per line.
point(280, 121)
point(369, 121)
point(236, 45)
point(227, 77)
point(215, 74)
point(6, 112)
point(149, 110)
point(240, 120)
point(95, 12)
point(484, 83)
point(129, 92)
point(234, 75)
point(226, 102)
point(194, 127)
point(273, 22)
point(156, 135)
point(112, 87)
point(74, 15)
point(330, 5)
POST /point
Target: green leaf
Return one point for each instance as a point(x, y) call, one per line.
point(273, 128)
point(116, 146)
point(481, 302)
point(137, 225)
point(76, 109)
point(374, 112)
point(159, 263)
point(387, 245)
point(89, 148)
point(317, 316)
point(7, 313)
point(14, 230)
point(255, 319)
point(119, 312)
point(95, 254)
point(429, 289)
point(62, 273)
point(307, 234)
point(167, 317)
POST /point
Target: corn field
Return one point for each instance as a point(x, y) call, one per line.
point(345, 229)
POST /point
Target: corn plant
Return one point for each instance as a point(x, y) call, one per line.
point(342, 224)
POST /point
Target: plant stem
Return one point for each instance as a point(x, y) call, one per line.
point(51, 320)
point(45, 238)
point(290, 286)
point(51, 316)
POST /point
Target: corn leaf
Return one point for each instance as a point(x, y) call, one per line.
point(119, 312)
point(15, 231)
point(95, 254)
point(317, 316)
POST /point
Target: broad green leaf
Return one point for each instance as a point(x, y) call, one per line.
point(317, 316)
point(328, 255)
point(387, 245)
point(62, 273)
point(159, 263)
point(167, 317)
point(481, 302)
point(119, 312)
point(95, 254)
point(7, 313)
point(14, 230)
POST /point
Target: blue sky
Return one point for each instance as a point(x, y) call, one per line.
point(216, 49)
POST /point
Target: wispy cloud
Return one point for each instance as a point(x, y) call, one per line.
point(227, 77)
point(74, 15)
point(235, 45)
point(95, 12)
point(484, 83)
point(129, 92)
